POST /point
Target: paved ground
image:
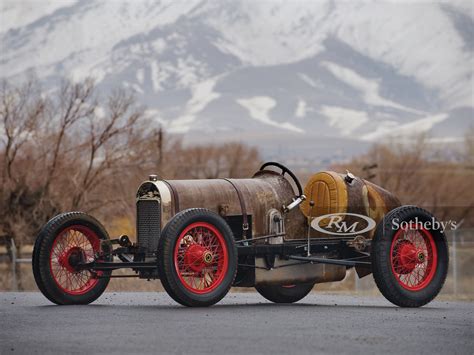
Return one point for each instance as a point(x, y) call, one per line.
point(243, 323)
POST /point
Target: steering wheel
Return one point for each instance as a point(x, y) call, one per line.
point(285, 170)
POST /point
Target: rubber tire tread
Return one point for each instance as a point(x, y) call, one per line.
point(382, 271)
point(166, 269)
point(280, 294)
point(41, 255)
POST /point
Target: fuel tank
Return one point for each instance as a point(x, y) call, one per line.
point(347, 197)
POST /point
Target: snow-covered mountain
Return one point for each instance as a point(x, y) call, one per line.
point(293, 77)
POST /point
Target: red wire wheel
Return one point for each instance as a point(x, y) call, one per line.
point(409, 259)
point(73, 245)
point(201, 257)
point(197, 257)
point(63, 243)
point(414, 257)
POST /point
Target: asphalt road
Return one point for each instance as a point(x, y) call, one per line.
point(243, 323)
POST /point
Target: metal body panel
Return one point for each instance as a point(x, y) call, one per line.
point(268, 190)
point(265, 195)
point(283, 274)
point(262, 193)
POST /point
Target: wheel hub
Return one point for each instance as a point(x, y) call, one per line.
point(414, 258)
point(207, 257)
point(198, 257)
point(408, 257)
point(71, 258)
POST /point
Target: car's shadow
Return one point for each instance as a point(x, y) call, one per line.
point(236, 306)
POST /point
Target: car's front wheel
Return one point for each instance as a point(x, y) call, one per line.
point(65, 242)
point(197, 257)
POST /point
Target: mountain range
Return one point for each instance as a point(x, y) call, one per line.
point(304, 81)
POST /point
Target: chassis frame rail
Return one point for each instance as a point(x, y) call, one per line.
point(338, 252)
point(330, 261)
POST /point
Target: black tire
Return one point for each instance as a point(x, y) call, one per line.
point(175, 285)
point(54, 287)
point(392, 278)
point(284, 294)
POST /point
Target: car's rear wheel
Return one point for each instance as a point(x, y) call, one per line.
point(409, 257)
point(284, 293)
point(65, 242)
point(197, 258)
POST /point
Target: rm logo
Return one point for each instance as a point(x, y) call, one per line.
point(338, 226)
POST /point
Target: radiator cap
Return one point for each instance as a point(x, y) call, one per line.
point(153, 177)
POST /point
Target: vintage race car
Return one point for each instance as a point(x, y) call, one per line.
point(201, 237)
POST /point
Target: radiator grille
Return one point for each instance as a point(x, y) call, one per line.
point(148, 224)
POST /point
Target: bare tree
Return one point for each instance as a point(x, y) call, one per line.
point(107, 143)
point(215, 161)
point(50, 162)
point(72, 150)
point(20, 112)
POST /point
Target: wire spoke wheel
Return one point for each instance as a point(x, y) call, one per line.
point(63, 244)
point(197, 257)
point(74, 245)
point(413, 257)
point(201, 257)
point(409, 261)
